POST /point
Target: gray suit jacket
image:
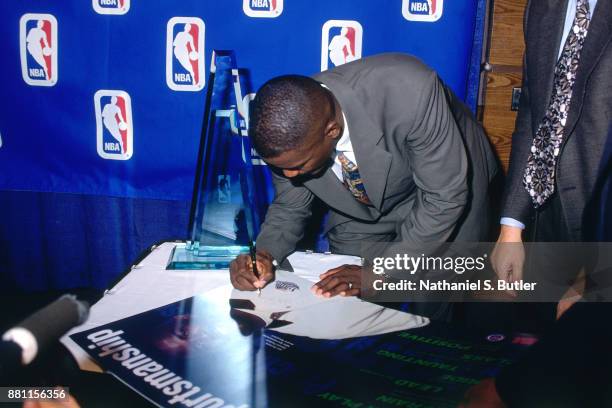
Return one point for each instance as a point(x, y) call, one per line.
point(409, 134)
point(589, 115)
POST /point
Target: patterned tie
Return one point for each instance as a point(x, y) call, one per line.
point(352, 179)
point(539, 177)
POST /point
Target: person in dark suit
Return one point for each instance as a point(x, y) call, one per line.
point(570, 366)
point(386, 145)
point(560, 131)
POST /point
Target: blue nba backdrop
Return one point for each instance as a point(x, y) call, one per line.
point(104, 98)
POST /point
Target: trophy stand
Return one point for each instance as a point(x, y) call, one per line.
point(224, 218)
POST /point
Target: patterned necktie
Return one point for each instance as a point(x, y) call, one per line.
point(352, 179)
point(539, 177)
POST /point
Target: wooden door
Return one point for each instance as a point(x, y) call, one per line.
point(505, 61)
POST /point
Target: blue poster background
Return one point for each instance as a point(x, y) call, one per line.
point(70, 217)
point(49, 133)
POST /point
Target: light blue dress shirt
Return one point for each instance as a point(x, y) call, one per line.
point(569, 19)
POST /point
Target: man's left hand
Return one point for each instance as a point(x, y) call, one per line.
point(344, 280)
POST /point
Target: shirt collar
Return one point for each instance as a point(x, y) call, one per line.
point(344, 144)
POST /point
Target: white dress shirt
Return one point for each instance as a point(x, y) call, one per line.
point(569, 19)
point(345, 146)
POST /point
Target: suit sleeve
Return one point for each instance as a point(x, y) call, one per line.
point(439, 161)
point(516, 201)
point(286, 218)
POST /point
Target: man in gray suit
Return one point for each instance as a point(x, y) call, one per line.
point(386, 145)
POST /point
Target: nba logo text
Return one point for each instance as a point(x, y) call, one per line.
point(262, 8)
point(114, 132)
point(116, 7)
point(340, 42)
point(185, 60)
point(422, 10)
point(38, 46)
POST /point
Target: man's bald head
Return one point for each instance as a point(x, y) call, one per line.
point(286, 111)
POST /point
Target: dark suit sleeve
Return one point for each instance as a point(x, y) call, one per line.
point(438, 158)
point(517, 202)
point(286, 218)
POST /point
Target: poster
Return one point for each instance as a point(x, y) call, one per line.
point(202, 352)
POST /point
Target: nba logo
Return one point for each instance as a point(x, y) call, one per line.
point(116, 7)
point(38, 46)
point(262, 8)
point(185, 54)
point(114, 133)
point(340, 43)
point(256, 160)
point(422, 10)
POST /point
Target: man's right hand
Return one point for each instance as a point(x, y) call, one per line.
point(508, 256)
point(242, 275)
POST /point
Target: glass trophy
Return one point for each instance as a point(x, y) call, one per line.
point(225, 208)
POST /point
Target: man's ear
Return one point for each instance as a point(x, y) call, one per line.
point(333, 129)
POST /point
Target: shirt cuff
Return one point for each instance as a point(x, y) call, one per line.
point(511, 222)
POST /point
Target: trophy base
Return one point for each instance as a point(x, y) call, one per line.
point(193, 256)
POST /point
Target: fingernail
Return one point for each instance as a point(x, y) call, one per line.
point(327, 294)
point(342, 293)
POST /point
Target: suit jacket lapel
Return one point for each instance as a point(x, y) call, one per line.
point(598, 38)
point(373, 160)
point(543, 51)
point(329, 189)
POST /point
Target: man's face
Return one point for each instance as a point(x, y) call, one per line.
point(314, 157)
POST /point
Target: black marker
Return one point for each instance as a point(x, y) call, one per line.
point(254, 264)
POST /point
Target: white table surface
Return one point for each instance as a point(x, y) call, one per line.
point(149, 285)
